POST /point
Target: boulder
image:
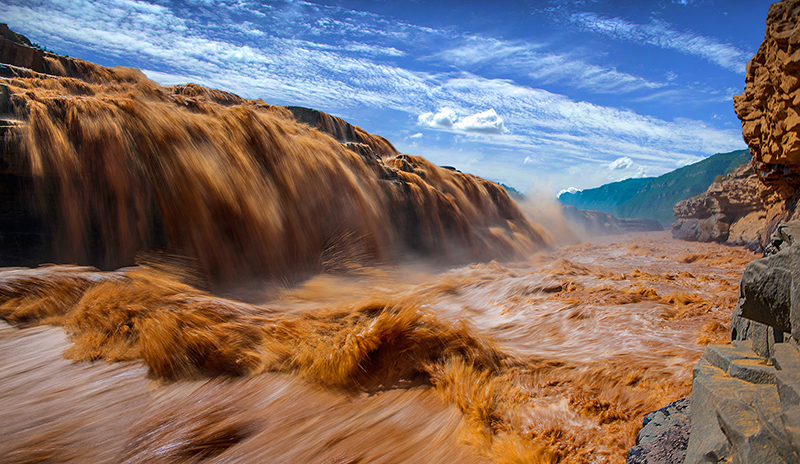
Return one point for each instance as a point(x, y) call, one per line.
point(712, 229)
point(664, 435)
point(736, 410)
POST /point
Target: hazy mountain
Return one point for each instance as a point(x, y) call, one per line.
point(654, 197)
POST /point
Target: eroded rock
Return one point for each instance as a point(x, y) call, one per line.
point(664, 435)
point(760, 195)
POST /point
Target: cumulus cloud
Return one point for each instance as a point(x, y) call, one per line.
point(572, 190)
point(418, 135)
point(624, 168)
point(487, 122)
point(443, 119)
point(619, 163)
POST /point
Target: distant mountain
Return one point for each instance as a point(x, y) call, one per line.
point(654, 197)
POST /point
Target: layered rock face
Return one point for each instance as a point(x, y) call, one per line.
point(746, 207)
point(740, 210)
point(769, 105)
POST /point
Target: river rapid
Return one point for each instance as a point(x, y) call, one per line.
point(552, 358)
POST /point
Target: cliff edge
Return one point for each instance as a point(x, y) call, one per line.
point(749, 204)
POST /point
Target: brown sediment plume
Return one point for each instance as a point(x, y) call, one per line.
point(553, 359)
point(556, 360)
point(116, 164)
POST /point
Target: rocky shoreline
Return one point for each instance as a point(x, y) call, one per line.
point(745, 403)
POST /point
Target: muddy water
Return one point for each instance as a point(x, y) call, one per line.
point(555, 358)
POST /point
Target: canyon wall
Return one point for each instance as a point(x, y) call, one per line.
point(749, 204)
point(745, 395)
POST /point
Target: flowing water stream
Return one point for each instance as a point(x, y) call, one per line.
point(272, 294)
point(551, 359)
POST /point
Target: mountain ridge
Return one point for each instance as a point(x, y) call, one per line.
point(654, 197)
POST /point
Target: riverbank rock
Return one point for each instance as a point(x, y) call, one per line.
point(739, 210)
point(758, 196)
point(746, 395)
point(713, 229)
point(664, 435)
point(744, 406)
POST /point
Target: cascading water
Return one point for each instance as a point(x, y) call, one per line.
point(346, 350)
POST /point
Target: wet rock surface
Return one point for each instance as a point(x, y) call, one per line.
point(664, 435)
point(745, 395)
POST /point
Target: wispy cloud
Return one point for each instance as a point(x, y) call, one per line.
point(526, 58)
point(344, 61)
point(660, 34)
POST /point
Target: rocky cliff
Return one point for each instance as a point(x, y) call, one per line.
point(746, 207)
point(739, 209)
point(745, 403)
point(769, 105)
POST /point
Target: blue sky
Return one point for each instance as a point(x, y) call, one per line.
point(541, 95)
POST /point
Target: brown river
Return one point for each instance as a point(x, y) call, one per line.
point(364, 353)
point(552, 358)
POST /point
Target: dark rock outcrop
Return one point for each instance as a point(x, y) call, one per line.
point(746, 395)
point(664, 435)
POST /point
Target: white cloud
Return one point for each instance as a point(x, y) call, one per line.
point(619, 163)
point(659, 33)
point(487, 122)
point(418, 135)
point(443, 119)
point(572, 190)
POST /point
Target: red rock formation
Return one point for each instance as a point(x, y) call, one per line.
point(753, 200)
point(769, 105)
